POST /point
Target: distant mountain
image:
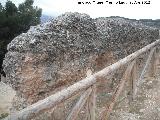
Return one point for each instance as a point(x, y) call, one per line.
point(45, 18)
point(152, 23)
point(147, 22)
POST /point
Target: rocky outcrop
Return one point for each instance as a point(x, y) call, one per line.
point(124, 36)
point(56, 54)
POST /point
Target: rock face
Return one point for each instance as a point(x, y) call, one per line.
point(56, 54)
point(124, 36)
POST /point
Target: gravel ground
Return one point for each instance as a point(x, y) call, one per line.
point(145, 107)
point(6, 96)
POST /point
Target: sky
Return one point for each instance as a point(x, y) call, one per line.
point(128, 10)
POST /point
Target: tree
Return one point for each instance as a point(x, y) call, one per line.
point(10, 9)
point(29, 15)
point(1, 7)
point(15, 20)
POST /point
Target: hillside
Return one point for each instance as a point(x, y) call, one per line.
point(147, 22)
point(152, 23)
point(45, 18)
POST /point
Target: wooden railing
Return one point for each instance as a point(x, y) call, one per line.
point(88, 85)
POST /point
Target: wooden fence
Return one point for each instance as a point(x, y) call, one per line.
point(88, 85)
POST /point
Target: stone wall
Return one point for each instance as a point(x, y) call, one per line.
point(58, 53)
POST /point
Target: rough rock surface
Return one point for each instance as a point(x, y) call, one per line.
point(124, 36)
point(53, 55)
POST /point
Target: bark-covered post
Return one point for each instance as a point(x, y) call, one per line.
point(91, 101)
point(133, 82)
point(92, 104)
point(146, 67)
point(76, 109)
point(126, 76)
point(153, 63)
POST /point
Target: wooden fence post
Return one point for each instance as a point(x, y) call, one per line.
point(76, 109)
point(91, 101)
point(108, 109)
point(140, 80)
point(133, 82)
point(158, 58)
point(152, 67)
point(92, 104)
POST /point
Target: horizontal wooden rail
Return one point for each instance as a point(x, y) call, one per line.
point(64, 94)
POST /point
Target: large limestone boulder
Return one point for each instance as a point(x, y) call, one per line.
point(58, 53)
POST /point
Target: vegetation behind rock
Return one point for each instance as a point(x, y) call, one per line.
point(15, 20)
